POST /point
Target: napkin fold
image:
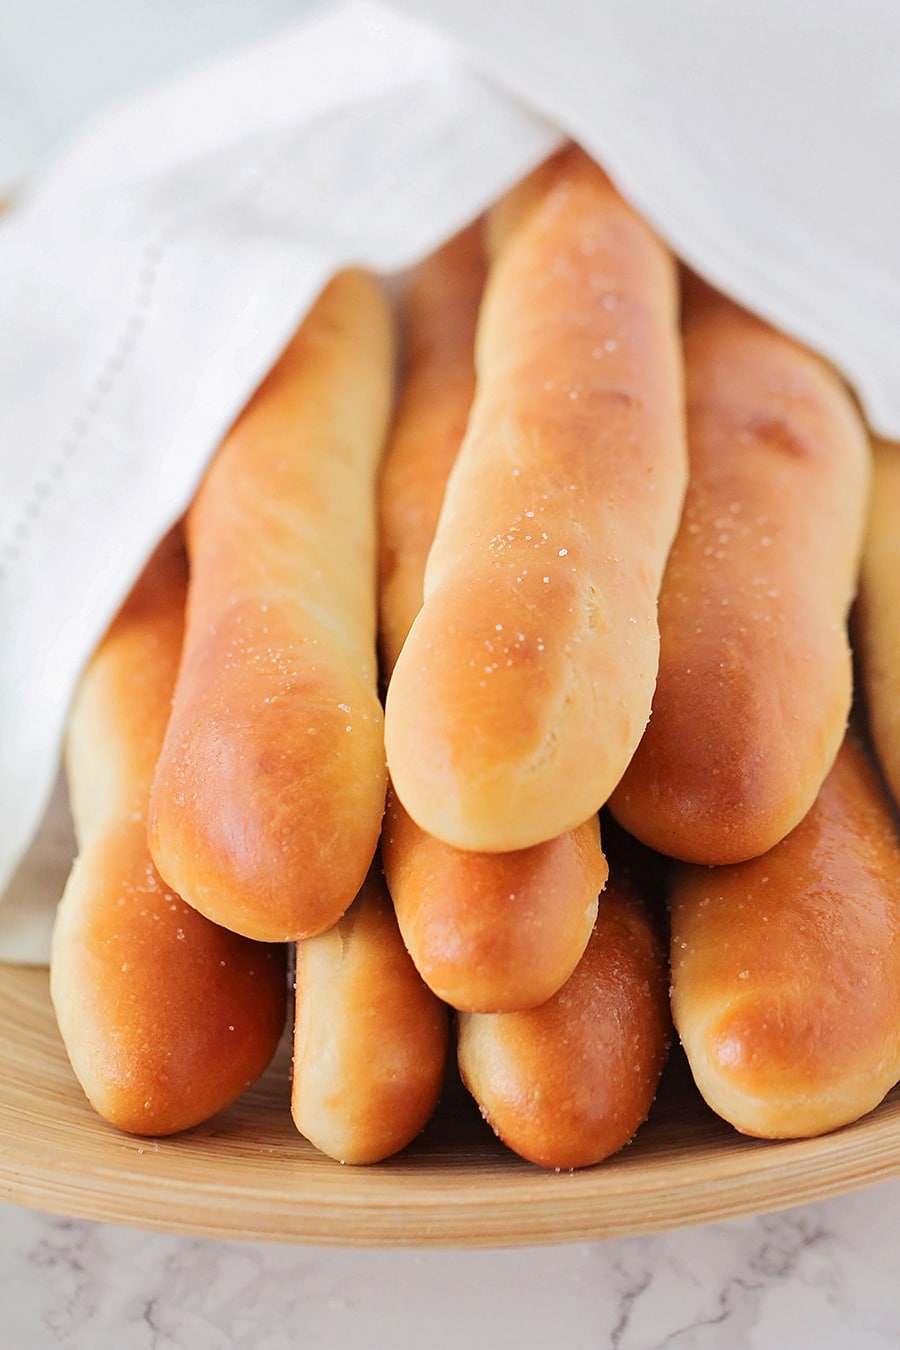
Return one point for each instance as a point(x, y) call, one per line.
point(148, 283)
point(760, 137)
point(153, 275)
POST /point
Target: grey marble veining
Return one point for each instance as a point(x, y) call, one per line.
point(823, 1276)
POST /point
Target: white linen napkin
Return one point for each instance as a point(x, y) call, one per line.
point(152, 276)
point(760, 137)
point(145, 287)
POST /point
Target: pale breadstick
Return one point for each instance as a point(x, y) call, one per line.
point(755, 674)
point(526, 680)
point(440, 310)
point(567, 1084)
point(493, 932)
point(166, 1018)
point(370, 1040)
point(786, 968)
point(268, 799)
point(877, 617)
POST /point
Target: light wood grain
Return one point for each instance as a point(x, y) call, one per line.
point(248, 1175)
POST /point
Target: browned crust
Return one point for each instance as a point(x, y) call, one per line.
point(487, 931)
point(755, 679)
point(439, 314)
point(268, 799)
point(166, 1017)
point(568, 1084)
point(526, 680)
point(876, 628)
point(786, 968)
point(493, 932)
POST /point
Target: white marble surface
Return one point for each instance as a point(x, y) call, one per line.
point(820, 1276)
point(823, 1275)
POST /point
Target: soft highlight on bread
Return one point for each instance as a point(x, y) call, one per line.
point(755, 676)
point(166, 1017)
point(487, 931)
point(493, 932)
point(370, 1040)
point(268, 798)
point(786, 968)
point(526, 680)
point(569, 1083)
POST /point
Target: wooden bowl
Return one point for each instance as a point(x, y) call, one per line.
point(247, 1174)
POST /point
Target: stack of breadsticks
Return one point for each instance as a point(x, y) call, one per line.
point(603, 491)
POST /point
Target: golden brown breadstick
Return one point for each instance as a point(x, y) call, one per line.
point(370, 1040)
point(166, 1018)
point(755, 676)
point(440, 311)
point(786, 968)
point(268, 799)
point(567, 1084)
point(877, 619)
point(493, 932)
point(487, 932)
point(526, 680)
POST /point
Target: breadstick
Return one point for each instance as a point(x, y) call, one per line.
point(526, 680)
point(488, 932)
point(755, 681)
point(370, 1040)
point(166, 1017)
point(786, 968)
point(567, 1084)
point(493, 932)
point(439, 316)
point(268, 799)
point(877, 617)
